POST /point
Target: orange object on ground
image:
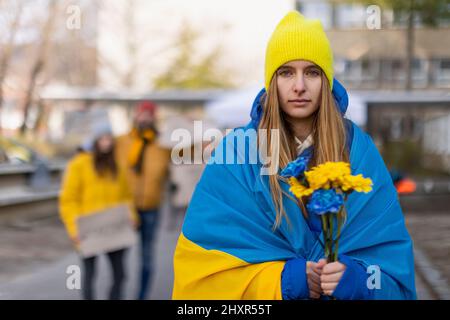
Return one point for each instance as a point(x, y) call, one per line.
point(405, 186)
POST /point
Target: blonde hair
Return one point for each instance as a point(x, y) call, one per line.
point(329, 136)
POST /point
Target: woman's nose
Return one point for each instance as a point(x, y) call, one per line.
point(299, 84)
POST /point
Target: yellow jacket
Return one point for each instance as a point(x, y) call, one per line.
point(147, 188)
point(84, 192)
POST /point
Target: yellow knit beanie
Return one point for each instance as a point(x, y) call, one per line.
point(298, 38)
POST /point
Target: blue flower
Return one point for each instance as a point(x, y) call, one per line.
point(295, 168)
point(323, 201)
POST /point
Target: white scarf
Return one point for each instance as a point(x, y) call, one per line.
point(302, 146)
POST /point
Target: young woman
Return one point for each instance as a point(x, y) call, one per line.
point(94, 182)
point(245, 238)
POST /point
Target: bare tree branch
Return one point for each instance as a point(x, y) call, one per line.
point(7, 51)
point(39, 62)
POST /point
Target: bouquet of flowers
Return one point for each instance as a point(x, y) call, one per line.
point(324, 189)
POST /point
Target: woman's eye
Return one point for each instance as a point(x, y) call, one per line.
point(313, 73)
point(285, 73)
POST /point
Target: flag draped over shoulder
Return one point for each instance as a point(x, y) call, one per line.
point(228, 248)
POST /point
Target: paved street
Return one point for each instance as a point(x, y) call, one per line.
point(42, 279)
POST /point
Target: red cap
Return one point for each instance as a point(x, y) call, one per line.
point(146, 106)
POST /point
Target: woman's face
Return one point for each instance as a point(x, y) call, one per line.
point(105, 143)
point(299, 86)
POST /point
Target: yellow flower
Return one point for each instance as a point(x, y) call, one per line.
point(298, 189)
point(336, 175)
point(326, 175)
point(357, 183)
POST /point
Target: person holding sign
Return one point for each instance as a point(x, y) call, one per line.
point(94, 198)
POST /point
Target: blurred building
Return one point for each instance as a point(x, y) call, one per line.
point(410, 127)
point(113, 59)
point(368, 58)
point(436, 141)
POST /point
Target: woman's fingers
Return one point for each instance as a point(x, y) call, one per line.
point(311, 272)
point(323, 277)
point(328, 292)
point(330, 277)
point(317, 267)
point(314, 286)
point(320, 264)
point(314, 290)
point(333, 267)
point(313, 275)
point(334, 277)
point(314, 295)
point(329, 286)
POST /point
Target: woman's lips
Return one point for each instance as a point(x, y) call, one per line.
point(299, 102)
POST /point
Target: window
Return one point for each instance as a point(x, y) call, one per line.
point(445, 65)
point(419, 72)
point(316, 9)
point(443, 72)
point(397, 69)
point(396, 128)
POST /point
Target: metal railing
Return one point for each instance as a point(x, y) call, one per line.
point(29, 190)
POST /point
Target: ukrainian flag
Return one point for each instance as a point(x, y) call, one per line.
point(229, 250)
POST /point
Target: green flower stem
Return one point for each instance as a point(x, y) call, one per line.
point(330, 219)
point(339, 225)
point(325, 234)
point(333, 253)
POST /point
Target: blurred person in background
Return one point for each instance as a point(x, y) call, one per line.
point(147, 166)
point(94, 182)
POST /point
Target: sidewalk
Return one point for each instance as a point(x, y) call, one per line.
point(431, 235)
point(35, 257)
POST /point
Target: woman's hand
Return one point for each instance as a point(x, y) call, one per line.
point(313, 275)
point(75, 241)
point(134, 223)
point(330, 277)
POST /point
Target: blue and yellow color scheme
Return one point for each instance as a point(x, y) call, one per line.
point(229, 250)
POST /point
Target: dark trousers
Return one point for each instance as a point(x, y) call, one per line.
point(148, 227)
point(116, 259)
